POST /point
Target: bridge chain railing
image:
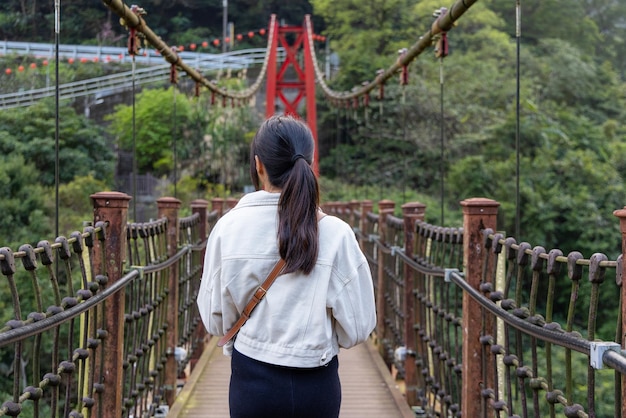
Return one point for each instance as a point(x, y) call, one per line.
point(479, 325)
point(466, 317)
point(104, 323)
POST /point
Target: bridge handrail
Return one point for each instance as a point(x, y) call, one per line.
point(422, 280)
point(126, 317)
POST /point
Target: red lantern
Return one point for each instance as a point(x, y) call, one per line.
point(205, 44)
point(71, 60)
point(192, 47)
point(250, 34)
point(262, 32)
point(33, 65)
point(181, 48)
point(239, 37)
point(8, 71)
point(216, 42)
point(83, 60)
point(20, 68)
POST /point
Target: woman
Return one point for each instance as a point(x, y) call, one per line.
point(284, 358)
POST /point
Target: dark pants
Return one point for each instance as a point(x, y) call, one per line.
point(259, 390)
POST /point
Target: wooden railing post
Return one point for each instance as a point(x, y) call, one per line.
point(168, 207)
point(217, 204)
point(366, 207)
point(411, 212)
point(200, 207)
point(621, 214)
point(111, 208)
point(385, 207)
point(353, 206)
point(231, 202)
point(478, 214)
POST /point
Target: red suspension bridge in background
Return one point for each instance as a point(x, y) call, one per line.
point(298, 42)
point(304, 85)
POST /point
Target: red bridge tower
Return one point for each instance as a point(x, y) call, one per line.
point(303, 85)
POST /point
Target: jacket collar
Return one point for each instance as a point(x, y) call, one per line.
point(258, 198)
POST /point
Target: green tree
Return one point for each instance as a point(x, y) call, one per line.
point(366, 35)
point(24, 217)
point(31, 132)
point(75, 205)
point(161, 116)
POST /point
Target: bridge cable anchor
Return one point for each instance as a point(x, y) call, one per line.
point(447, 273)
point(597, 350)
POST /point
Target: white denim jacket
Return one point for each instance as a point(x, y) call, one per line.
point(303, 319)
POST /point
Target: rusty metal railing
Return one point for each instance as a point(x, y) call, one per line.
point(468, 318)
point(103, 323)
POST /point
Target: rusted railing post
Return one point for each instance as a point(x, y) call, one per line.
point(231, 202)
point(200, 207)
point(411, 212)
point(168, 207)
point(385, 207)
point(621, 214)
point(478, 214)
point(353, 206)
point(366, 207)
point(111, 208)
point(217, 204)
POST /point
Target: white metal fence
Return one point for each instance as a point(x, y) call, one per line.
point(111, 84)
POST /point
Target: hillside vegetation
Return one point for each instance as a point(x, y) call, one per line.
point(458, 137)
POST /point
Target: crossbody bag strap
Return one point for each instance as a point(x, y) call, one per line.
point(256, 298)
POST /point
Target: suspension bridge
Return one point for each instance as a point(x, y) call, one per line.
point(104, 321)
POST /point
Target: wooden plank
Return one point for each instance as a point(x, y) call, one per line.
point(368, 389)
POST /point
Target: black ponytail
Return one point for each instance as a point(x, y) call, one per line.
point(285, 146)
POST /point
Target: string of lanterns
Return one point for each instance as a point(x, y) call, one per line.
point(240, 37)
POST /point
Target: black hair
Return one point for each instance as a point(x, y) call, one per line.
point(285, 146)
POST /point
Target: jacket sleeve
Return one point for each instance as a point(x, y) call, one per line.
point(213, 300)
point(354, 309)
point(209, 295)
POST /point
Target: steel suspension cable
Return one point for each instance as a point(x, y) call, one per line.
point(442, 159)
point(174, 88)
point(57, 31)
point(134, 151)
point(518, 36)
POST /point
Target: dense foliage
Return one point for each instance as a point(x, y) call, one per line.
point(173, 130)
point(572, 99)
point(27, 169)
point(176, 22)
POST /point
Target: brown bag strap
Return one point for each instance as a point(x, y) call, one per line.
point(256, 298)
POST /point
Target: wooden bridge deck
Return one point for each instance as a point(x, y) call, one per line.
point(368, 389)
